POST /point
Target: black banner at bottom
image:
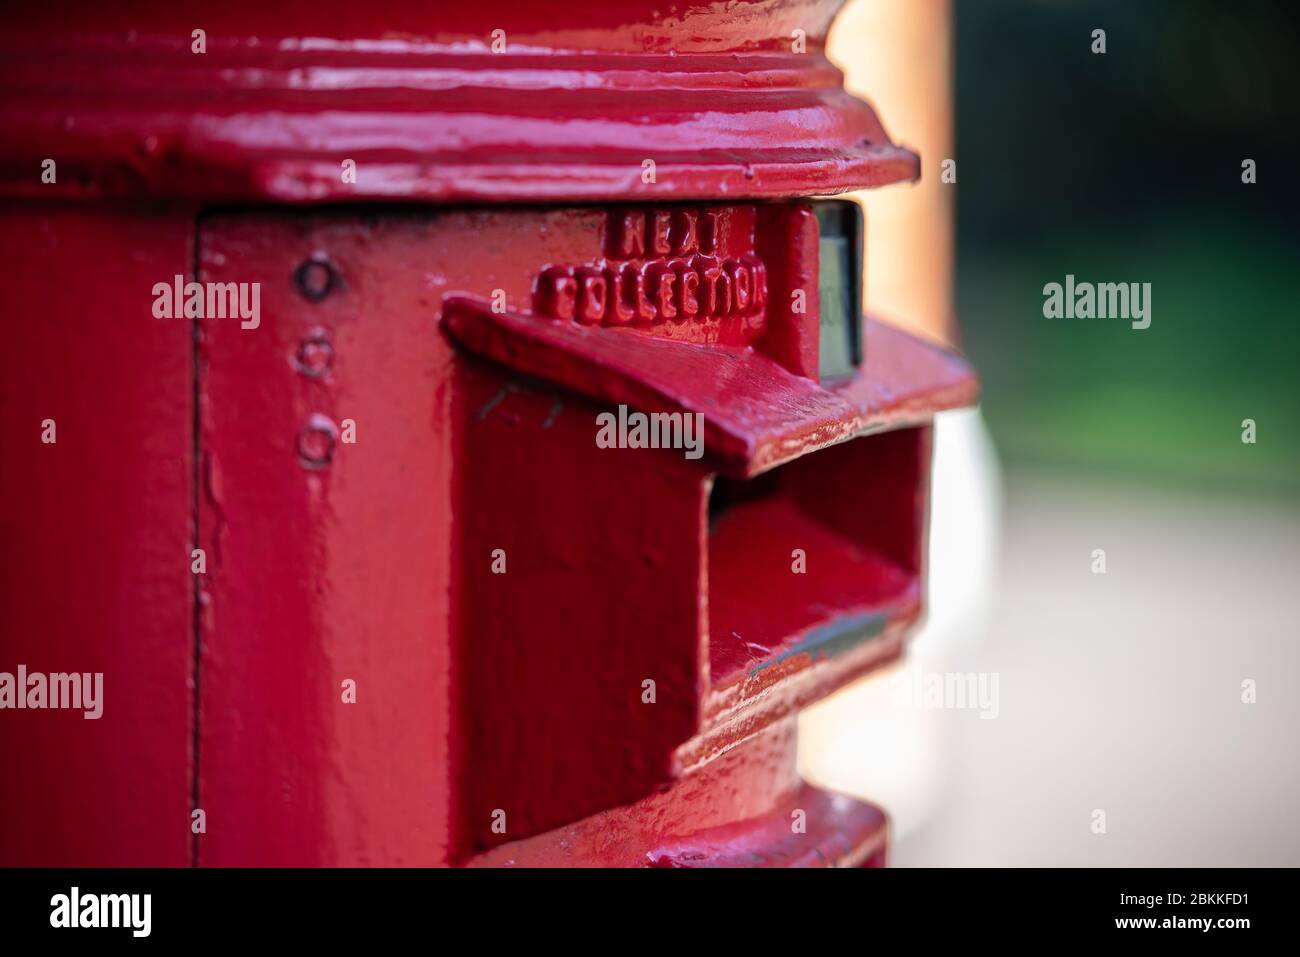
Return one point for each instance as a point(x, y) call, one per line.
point(339, 906)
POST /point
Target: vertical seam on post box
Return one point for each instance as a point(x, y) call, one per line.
point(196, 611)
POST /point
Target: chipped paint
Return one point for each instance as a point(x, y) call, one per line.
point(827, 641)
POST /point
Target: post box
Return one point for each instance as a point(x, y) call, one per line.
point(452, 433)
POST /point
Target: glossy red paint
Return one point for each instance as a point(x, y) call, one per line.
point(391, 546)
point(330, 566)
point(394, 474)
point(579, 95)
point(787, 237)
point(746, 809)
point(95, 536)
point(757, 414)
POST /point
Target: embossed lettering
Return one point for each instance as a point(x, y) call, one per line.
point(631, 236)
point(684, 235)
point(661, 224)
point(664, 279)
point(663, 264)
point(688, 281)
point(740, 280)
point(592, 290)
point(620, 312)
point(558, 292)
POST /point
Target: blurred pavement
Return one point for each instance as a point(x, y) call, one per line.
point(1119, 691)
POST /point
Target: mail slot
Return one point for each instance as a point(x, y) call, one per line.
point(558, 470)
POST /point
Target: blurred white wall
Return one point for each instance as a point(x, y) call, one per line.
point(897, 57)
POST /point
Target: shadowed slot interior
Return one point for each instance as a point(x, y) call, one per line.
point(827, 547)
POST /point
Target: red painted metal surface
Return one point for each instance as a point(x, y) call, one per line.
point(329, 568)
point(523, 689)
point(580, 94)
point(394, 473)
point(95, 533)
point(757, 414)
point(746, 809)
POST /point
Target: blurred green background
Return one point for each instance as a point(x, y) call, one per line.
point(1126, 167)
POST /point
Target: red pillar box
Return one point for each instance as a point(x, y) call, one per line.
point(466, 446)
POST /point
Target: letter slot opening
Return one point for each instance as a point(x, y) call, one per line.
point(817, 556)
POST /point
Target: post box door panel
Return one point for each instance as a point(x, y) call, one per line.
point(329, 560)
point(516, 682)
point(440, 616)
